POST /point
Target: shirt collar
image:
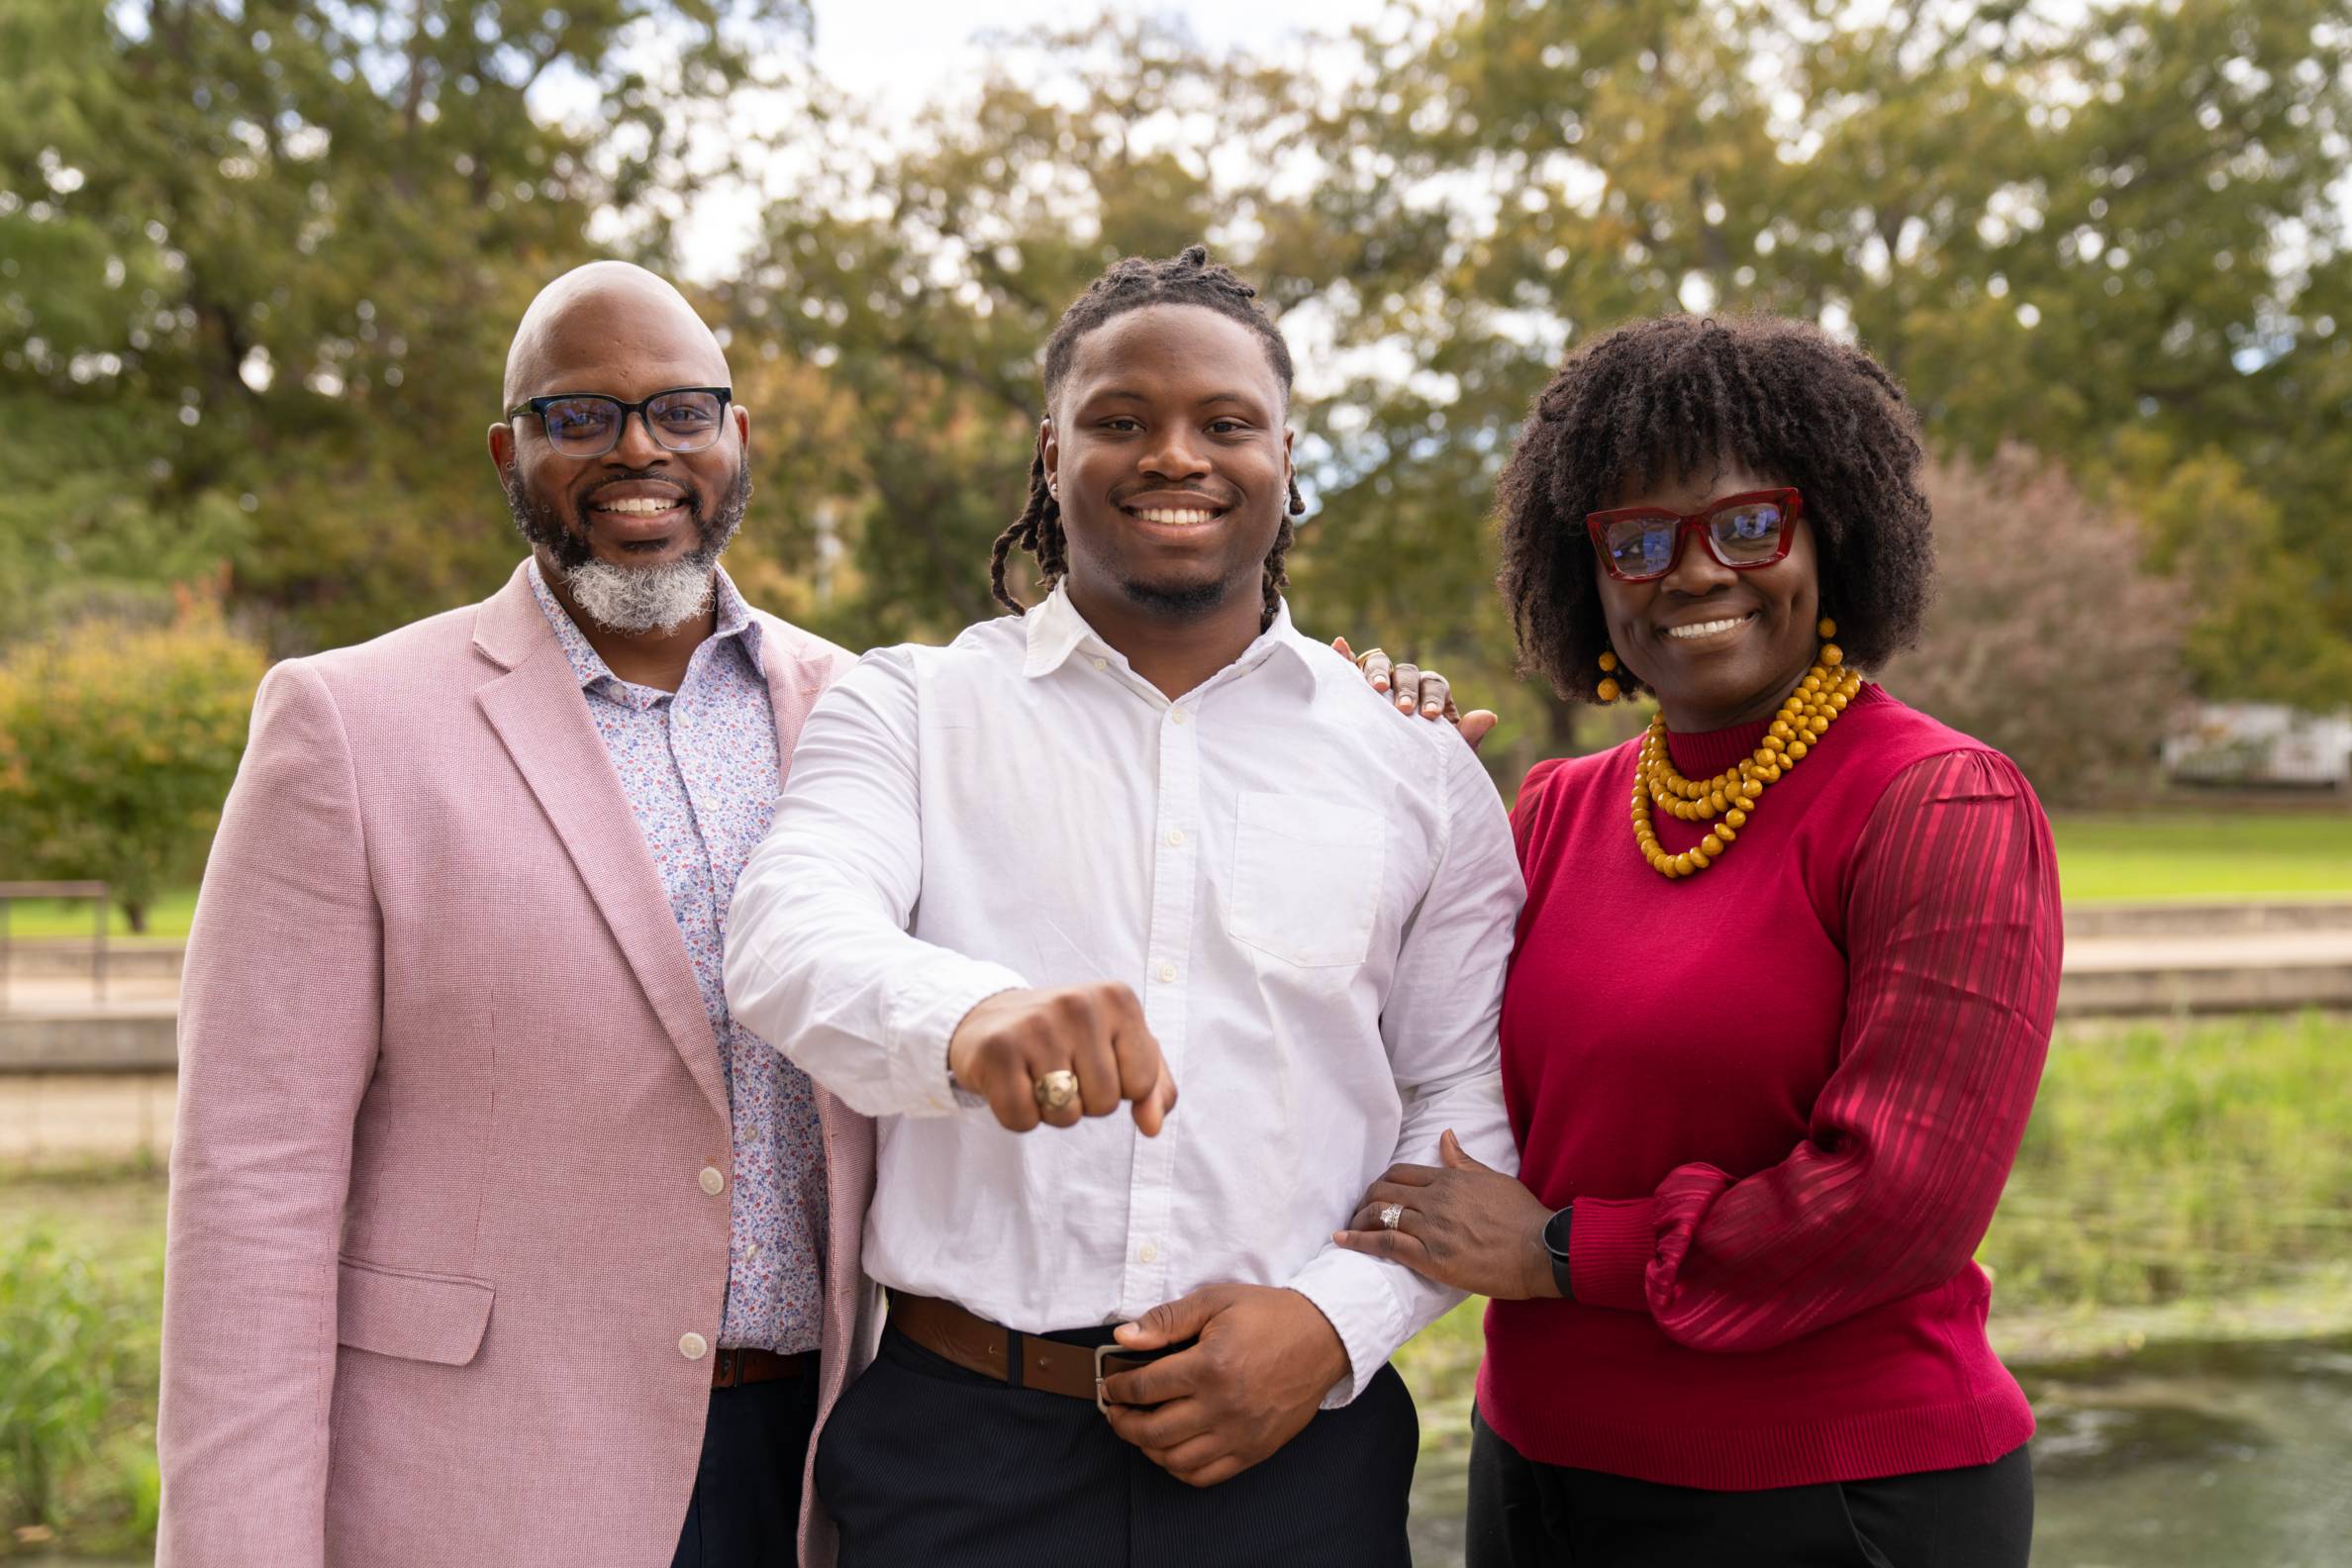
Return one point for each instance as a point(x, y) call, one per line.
point(1056, 631)
point(588, 667)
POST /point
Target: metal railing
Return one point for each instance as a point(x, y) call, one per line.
point(99, 893)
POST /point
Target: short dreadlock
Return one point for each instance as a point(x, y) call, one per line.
point(1188, 279)
point(1674, 396)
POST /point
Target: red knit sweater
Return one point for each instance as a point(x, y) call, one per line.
point(1782, 1095)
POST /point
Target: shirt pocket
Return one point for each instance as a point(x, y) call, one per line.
point(1307, 879)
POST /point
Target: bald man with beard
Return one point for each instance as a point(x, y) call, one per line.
point(494, 1238)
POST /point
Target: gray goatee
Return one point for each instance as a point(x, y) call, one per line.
point(635, 600)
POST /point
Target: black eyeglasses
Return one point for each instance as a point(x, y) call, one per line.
point(589, 423)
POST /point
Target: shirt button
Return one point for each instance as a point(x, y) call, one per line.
point(1149, 1252)
point(712, 1180)
point(1177, 715)
point(1167, 972)
point(1102, 663)
point(692, 1346)
point(1176, 838)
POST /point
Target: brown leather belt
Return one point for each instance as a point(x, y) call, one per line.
point(733, 1368)
point(1024, 1360)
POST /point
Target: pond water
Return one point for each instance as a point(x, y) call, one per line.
point(2179, 1456)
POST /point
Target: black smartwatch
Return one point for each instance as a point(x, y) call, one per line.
point(1556, 1242)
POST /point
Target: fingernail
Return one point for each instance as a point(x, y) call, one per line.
point(1432, 709)
point(1379, 683)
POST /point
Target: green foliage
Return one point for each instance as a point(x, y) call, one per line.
point(2107, 232)
point(2171, 1160)
point(259, 260)
point(2261, 635)
point(79, 1360)
point(116, 745)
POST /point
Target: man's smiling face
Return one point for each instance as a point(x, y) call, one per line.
point(1169, 457)
point(632, 531)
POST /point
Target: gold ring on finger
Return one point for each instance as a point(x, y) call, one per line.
point(1391, 1215)
point(1369, 654)
point(1057, 1090)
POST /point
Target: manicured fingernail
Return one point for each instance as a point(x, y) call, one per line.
point(1379, 683)
point(1433, 710)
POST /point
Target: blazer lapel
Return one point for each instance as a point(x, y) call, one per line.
point(543, 722)
point(794, 684)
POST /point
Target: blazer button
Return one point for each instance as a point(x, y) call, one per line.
point(692, 1346)
point(712, 1180)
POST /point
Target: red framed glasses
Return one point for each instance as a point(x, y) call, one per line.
point(1742, 531)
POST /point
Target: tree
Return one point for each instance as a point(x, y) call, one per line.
point(2260, 635)
point(2049, 638)
point(117, 746)
point(1492, 182)
point(259, 260)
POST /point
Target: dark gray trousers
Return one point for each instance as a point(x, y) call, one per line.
point(925, 1463)
point(1529, 1515)
point(745, 1509)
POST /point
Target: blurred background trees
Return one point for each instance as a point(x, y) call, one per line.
point(258, 261)
point(117, 742)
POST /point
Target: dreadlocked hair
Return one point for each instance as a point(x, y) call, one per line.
point(1676, 396)
point(1187, 278)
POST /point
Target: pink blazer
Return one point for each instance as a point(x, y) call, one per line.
point(447, 1092)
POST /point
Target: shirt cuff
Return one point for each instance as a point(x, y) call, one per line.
point(1611, 1241)
point(1352, 1291)
point(927, 1002)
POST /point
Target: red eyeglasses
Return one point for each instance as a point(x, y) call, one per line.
point(1742, 531)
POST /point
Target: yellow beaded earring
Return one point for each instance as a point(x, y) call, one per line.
point(1607, 690)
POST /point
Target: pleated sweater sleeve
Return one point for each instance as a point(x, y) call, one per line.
point(1953, 936)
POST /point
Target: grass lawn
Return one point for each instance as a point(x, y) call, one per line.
point(2144, 857)
point(168, 915)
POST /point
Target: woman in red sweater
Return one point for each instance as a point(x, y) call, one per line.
point(1783, 989)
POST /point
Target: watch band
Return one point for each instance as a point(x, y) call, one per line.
point(1556, 1242)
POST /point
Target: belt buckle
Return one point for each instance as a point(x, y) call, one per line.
point(1102, 1403)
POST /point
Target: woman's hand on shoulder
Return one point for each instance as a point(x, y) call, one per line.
point(1417, 690)
point(1458, 1222)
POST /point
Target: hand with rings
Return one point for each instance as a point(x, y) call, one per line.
point(1459, 1222)
point(1417, 690)
point(1056, 1056)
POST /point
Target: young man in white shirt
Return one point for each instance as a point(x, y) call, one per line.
point(1147, 834)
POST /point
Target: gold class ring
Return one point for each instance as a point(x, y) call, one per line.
point(1057, 1090)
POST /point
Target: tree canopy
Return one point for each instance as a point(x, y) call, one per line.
point(259, 260)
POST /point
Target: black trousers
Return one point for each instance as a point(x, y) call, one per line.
point(926, 1465)
point(745, 1509)
point(1526, 1515)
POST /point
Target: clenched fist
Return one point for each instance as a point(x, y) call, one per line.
point(1010, 1041)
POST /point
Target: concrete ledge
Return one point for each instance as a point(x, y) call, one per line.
point(134, 1037)
point(68, 1117)
point(71, 958)
point(2198, 918)
point(2239, 989)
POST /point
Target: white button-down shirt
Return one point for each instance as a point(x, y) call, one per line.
point(1313, 894)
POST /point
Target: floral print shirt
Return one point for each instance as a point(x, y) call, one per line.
point(701, 772)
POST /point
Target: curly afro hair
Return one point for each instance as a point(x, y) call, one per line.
point(1677, 395)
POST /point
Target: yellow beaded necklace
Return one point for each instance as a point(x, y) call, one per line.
point(1723, 803)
